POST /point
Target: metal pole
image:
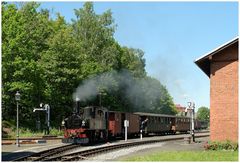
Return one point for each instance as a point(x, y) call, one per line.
point(141, 134)
point(48, 110)
point(17, 141)
point(126, 124)
point(192, 121)
point(125, 133)
point(193, 124)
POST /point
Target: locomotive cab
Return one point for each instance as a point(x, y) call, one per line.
point(95, 117)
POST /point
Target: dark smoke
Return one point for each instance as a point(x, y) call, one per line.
point(139, 92)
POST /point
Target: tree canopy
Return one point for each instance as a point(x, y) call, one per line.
point(47, 60)
point(203, 113)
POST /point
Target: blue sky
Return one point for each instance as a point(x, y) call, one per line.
point(172, 35)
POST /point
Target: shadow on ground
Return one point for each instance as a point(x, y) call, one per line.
point(10, 156)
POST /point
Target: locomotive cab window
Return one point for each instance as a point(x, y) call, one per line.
point(93, 112)
point(100, 113)
point(86, 112)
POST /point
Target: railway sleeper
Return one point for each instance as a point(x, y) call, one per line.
point(71, 158)
point(32, 158)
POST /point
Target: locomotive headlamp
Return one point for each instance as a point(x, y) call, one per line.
point(189, 104)
point(83, 123)
point(77, 99)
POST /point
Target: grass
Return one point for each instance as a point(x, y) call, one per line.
point(188, 156)
point(9, 131)
point(27, 133)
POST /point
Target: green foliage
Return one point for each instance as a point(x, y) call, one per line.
point(25, 132)
point(132, 60)
point(225, 145)
point(203, 114)
point(187, 156)
point(46, 59)
point(8, 124)
point(24, 33)
point(56, 132)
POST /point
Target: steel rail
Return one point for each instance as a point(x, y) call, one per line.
point(40, 156)
point(83, 155)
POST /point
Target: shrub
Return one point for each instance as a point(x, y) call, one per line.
point(225, 145)
point(8, 124)
point(56, 132)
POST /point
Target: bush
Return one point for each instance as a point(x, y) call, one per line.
point(8, 124)
point(226, 145)
point(56, 132)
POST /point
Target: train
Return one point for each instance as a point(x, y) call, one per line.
point(96, 123)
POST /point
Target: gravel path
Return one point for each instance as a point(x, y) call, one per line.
point(113, 155)
point(147, 149)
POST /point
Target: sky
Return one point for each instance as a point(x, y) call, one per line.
point(172, 35)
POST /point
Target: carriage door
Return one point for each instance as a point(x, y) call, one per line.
point(123, 117)
point(173, 124)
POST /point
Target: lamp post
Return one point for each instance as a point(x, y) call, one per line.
point(17, 98)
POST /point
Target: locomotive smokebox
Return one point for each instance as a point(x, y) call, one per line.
point(77, 105)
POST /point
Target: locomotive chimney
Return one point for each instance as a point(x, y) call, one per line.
point(77, 105)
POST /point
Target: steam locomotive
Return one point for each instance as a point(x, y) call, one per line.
point(94, 123)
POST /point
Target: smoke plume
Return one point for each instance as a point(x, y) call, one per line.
point(138, 92)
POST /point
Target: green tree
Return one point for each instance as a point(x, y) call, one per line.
point(24, 34)
point(61, 64)
point(94, 34)
point(133, 60)
point(46, 59)
point(203, 113)
point(156, 97)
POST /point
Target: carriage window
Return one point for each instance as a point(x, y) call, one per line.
point(161, 119)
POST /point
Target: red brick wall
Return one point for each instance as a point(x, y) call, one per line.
point(224, 95)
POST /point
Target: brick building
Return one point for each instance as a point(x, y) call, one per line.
point(221, 66)
point(180, 108)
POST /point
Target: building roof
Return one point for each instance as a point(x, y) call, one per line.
point(204, 62)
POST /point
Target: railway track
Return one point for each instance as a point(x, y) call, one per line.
point(41, 156)
point(59, 154)
point(86, 154)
